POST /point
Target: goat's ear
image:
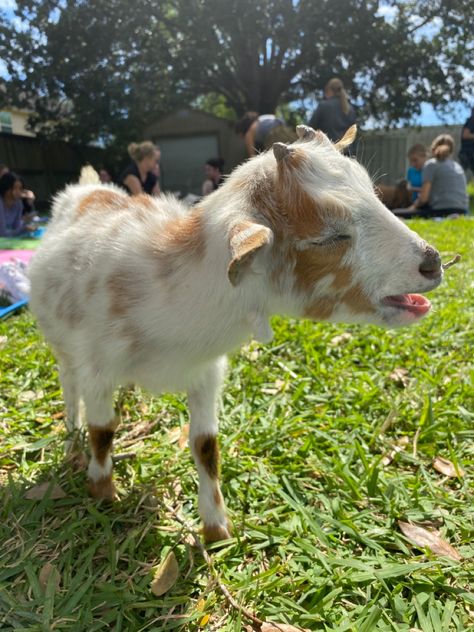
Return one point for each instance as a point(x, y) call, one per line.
point(348, 138)
point(246, 240)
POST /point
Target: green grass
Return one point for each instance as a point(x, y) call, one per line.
point(305, 423)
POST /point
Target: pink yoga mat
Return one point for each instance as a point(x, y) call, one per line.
point(23, 255)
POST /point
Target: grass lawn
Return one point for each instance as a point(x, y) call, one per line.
point(307, 421)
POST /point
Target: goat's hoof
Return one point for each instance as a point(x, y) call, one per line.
point(216, 532)
point(102, 489)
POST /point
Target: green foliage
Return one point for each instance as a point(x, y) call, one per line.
point(91, 70)
point(305, 423)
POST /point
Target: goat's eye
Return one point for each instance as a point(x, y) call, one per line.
point(332, 240)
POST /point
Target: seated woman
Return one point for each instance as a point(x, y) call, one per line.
point(11, 206)
point(443, 191)
point(214, 177)
point(141, 175)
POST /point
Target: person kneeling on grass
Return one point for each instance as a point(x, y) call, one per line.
point(11, 206)
point(443, 191)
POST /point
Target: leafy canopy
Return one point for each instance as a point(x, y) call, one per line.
point(89, 69)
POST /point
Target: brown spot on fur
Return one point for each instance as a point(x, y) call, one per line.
point(100, 438)
point(357, 301)
point(103, 488)
point(218, 497)
point(100, 201)
point(125, 290)
point(143, 201)
point(207, 451)
point(177, 242)
point(215, 533)
point(321, 310)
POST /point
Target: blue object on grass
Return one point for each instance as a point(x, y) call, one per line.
point(39, 232)
point(4, 311)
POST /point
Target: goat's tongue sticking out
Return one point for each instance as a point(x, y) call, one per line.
point(416, 304)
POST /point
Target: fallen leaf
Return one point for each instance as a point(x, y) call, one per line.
point(400, 376)
point(3, 341)
point(165, 576)
point(183, 437)
point(39, 491)
point(28, 396)
point(281, 627)
point(201, 605)
point(398, 447)
point(204, 620)
point(447, 467)
point(45, 573)
point(431, 539)
point(174, 434)
point(340, 340)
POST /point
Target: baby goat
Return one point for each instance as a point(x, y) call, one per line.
point(142, 290)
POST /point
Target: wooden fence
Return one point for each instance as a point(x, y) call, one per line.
point(47, 166)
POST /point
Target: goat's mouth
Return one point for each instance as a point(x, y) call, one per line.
point(414, 305)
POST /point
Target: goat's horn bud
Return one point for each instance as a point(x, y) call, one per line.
point(281, 151)
point(305, 133)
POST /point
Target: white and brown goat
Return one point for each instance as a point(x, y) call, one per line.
point(142, 290)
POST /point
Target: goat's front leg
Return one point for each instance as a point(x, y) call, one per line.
point(203, 442)
point(102, 424)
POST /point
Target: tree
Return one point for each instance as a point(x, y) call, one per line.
point(92, 70)
point(88, 70)
point(391, 55)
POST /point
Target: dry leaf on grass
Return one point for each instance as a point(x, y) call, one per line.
point(398, 447)
point(430, 539)
point(205, 620)
point(3, 341)
point(28, 396)
point(447, 467)
point(400, 376)
point(45, 573)
point(165, 575)
point(179, 435)
point(39, 491)
point(281, 627)
point(280, 386)
point(340, 340)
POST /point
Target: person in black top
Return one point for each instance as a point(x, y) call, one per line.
point(334, 115)
point(214, 177)
point(141, 175)
point(466, 153)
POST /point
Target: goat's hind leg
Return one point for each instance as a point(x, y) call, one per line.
point(72, 402)
point(203, 442)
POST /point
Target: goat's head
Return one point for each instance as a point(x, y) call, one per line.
point(335, 251)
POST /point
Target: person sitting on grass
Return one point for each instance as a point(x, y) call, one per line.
point(140, 176)
point(11, 206)
point(443, 191)
point(417, 156)
point(214, 177)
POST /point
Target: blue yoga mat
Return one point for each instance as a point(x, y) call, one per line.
point(5, 311)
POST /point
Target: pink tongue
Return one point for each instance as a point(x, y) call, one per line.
point(415, 303)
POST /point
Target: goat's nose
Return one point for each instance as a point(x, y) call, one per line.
point(430, 267)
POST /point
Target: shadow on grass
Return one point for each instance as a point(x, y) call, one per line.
point(102, 554)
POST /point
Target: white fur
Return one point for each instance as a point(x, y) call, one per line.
point(187, 319)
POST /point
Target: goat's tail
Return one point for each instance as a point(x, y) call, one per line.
point(89, 175)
